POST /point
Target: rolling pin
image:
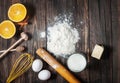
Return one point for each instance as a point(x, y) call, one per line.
point(57, 66)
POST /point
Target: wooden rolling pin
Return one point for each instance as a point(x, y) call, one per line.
point(57, 66)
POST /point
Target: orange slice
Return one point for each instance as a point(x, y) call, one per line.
point(7, 29)
point(17, 12)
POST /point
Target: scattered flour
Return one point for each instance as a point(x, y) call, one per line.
point(62, 38)
point(42, 34)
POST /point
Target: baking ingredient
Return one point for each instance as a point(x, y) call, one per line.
point(21, 65)
point(62, 38)
point(37, 65)
point(44, 75)
point(17, 12)
point(57, 66)
point(7, 29)
point(97, 51)
point(76, 62)
point(42, 35)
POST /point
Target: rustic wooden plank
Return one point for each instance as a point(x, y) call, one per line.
point(5, 67)
point(35, 28)
point(100, 33)
point(107, 60)
point(116, 40)
point(95, 73)
point(97, 22)
point(81, 23)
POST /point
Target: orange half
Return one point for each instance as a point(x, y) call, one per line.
point(17, 12)
point(7, 29)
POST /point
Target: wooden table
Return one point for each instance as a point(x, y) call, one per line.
point(98, 22)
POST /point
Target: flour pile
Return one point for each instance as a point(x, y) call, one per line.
point(62, 38)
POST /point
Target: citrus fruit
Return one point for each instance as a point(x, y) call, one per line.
point(17, 12)
point(7, 29)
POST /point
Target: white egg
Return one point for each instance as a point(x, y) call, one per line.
point(37, 65)
point(44, 75)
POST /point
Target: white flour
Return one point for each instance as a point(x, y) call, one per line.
point(62, 38)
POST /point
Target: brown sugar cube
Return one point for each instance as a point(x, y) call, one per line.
point(97, 51)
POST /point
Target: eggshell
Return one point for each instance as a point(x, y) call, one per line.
point(37, 65)
point(44, 75)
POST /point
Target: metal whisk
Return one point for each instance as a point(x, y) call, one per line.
point(22, 64)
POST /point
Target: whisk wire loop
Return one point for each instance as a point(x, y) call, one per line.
point(21, 65)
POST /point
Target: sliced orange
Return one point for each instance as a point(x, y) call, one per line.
point(17, 12)
point(7, 29)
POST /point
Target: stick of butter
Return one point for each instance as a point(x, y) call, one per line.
point(97, 51)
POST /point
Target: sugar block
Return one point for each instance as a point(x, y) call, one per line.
point(97, 51)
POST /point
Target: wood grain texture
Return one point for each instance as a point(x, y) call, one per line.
point(98, 22)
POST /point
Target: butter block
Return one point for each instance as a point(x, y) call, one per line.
point(97, 51)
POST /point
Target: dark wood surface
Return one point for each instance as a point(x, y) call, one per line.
point(98, 22)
